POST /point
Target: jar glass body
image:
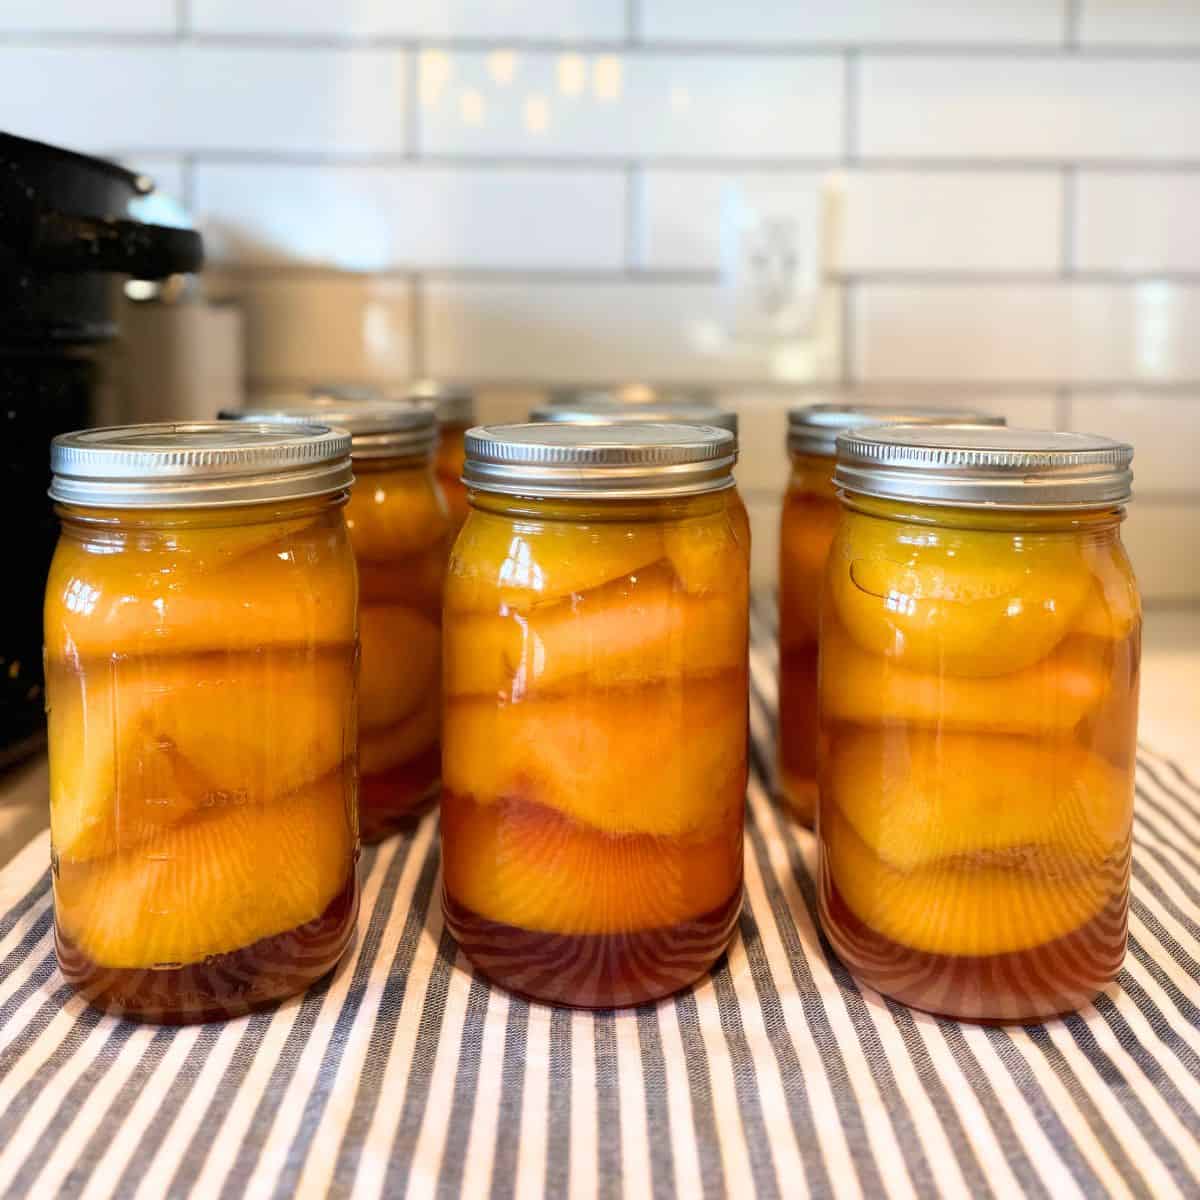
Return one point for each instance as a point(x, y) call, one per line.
point(594, 744)
point(448, 466)
point(809, 519)
point(978, 718)
point(201, 671)
point(400, 532)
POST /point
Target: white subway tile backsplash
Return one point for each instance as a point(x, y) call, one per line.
point(1053, 332)
point(1168, 23)
point(1163, 428)
point(1137, 221)
point(863, 22)
point(563, 20)
point(374, 218)
point(893, 220)
point(304, 330)
point(1045, 107)
point(87, 16)
point(567, 331)
point(185, 97)
point(629, 105)
point(1164, 545)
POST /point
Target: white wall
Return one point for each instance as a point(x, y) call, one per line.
point(525, 191)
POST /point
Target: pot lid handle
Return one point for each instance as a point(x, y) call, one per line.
point(65, 242)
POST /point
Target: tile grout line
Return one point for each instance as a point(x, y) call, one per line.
point(635, 249)
point(1063, 408)
point(1072, 20)
point(848, 309)
point(412, 100)
point(416, 327)
point(850, 108)
point(1060, 49)
point(633, 23)
point(1068, 182)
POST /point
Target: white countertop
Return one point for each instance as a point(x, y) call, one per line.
point(1170, 722)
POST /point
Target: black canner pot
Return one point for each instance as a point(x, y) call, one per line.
point(65, 232)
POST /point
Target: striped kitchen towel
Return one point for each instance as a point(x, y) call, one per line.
point(777, 1076)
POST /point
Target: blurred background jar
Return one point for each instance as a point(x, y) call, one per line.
point(594, 753)
point(200, 658)
point(455, 409)
point(809, 517)
point(605, 408)
point(980, 648)
point(400, 530)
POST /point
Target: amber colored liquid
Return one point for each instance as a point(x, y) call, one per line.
point(1048, 980)
point(392, 800)
point(222, 985)
point(598, 970)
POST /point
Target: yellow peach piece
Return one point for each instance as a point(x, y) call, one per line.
point(215, 883)
point(532, 868)
point(960, 908)
point(297, 589)
point(140, 744)
point(706, 554)
point(499, 562)
point(1113, 607)
point(665, 759)
point(634, 630)
point(395, 514)
point(381, 749)
point(1030, 806)
point(952, 601)
point(1049, 697)
point(399, 664)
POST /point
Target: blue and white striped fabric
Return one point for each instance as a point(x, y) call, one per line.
point(777, 1076)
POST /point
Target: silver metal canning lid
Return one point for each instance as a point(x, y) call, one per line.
point(975, 466)
point(604, 410)
point(612, 461)
point(454, 405)
point(378, 428)
point(198, 464)
point(813, 428)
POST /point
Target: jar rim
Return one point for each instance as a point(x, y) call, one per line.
point(814, 428)
point(198, 464)
point(618, 460)
point(605, 411)
point(980, 466)
point(377, 428)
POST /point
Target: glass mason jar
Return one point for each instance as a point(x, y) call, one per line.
point(980, 642)
point(810, 515)
point(200, 658)
point(605, 408)
point(400, 530)
point(594, 737)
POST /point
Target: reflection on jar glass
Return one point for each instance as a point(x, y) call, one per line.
point(200, 653)
point(810, 515)
point(594, 756)
point(980, 641)
point(400, 532)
